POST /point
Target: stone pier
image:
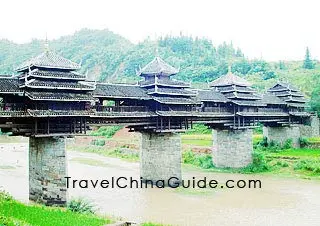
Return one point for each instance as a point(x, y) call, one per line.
point(47, 169)
point(232, 148)
point(281, 134)
point(160, 156)
point(311, 129)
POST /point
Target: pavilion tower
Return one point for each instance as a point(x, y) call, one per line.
point(160, 155)
point(57, 98)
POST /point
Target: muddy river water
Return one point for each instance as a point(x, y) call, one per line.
point(280, 201)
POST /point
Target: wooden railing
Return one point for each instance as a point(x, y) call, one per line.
point(101, 108)
point(270, 110)
point(12, 107)
point(216, 109)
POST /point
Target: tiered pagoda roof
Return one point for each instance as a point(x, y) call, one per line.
point(158, 83)
point(49, 60)
point(237, 90)
point(271, 99)
point(210, 95)
point(157, 67)
point(52, 77)
point(289, 94)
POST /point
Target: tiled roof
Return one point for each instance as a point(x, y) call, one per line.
point(161, 82)
point(9, 85)
point(120, 91)
point(288, 93)
point(57, 74)
point(211, 96)
point(59, 96)
point(249, 102)
point(58, 85)
point(295, 99)
point(171, 91)
point(49, 59)
point(235, 95)
point(269, 98)
point(230, 79)
point(158, 66)
point(282, 86)
point(302, 114)
point(170, 100)
point(235, 88)
point(298, 105)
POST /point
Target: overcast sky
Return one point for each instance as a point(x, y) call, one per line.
point(273, 29)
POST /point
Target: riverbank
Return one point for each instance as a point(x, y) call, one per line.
point(273, 160)
point(15, 213)
point(296, 199)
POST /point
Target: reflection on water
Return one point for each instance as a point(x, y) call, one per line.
point(279, 202)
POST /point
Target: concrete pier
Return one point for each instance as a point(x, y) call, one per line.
point(232, 148)
point(160, 156)
point(47, 169)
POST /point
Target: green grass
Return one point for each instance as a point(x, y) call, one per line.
point(197, 139)
point(13, 212)
point(116, 153)
point(301, 152)
point(314, 139)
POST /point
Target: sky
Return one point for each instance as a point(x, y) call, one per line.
point(269, 29)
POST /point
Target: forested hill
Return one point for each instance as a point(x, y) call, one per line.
point(110, 57)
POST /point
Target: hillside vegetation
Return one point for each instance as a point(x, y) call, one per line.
point(110, 57)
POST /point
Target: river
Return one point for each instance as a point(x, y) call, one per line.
point(280, 201)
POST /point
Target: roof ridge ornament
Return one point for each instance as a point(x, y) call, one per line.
point(229, 69)
point(46, 45)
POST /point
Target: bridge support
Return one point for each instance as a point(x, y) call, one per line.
point(47, 169)
point(312, 128)
point(282, 134)
point(160, 156)
point(232, 148)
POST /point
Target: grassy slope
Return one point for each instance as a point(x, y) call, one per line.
point(13, 211)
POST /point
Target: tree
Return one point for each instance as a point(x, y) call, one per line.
point(315, 99)
point(282, 65)
point(307, 63)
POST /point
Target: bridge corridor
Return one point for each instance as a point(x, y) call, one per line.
point(49, 100)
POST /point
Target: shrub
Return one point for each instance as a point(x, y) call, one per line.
point(287, 144)
point(304, 142)
point(5, 196)
point(282, 164)
point(308, 165)
point(202, 160)
point(259, 164)
point(106, 131)
point(258, 130)
point(80, 206)
point(199, 129)
point(99, 142)
point(264, 142)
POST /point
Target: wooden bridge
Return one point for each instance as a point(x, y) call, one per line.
point(49, 100)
